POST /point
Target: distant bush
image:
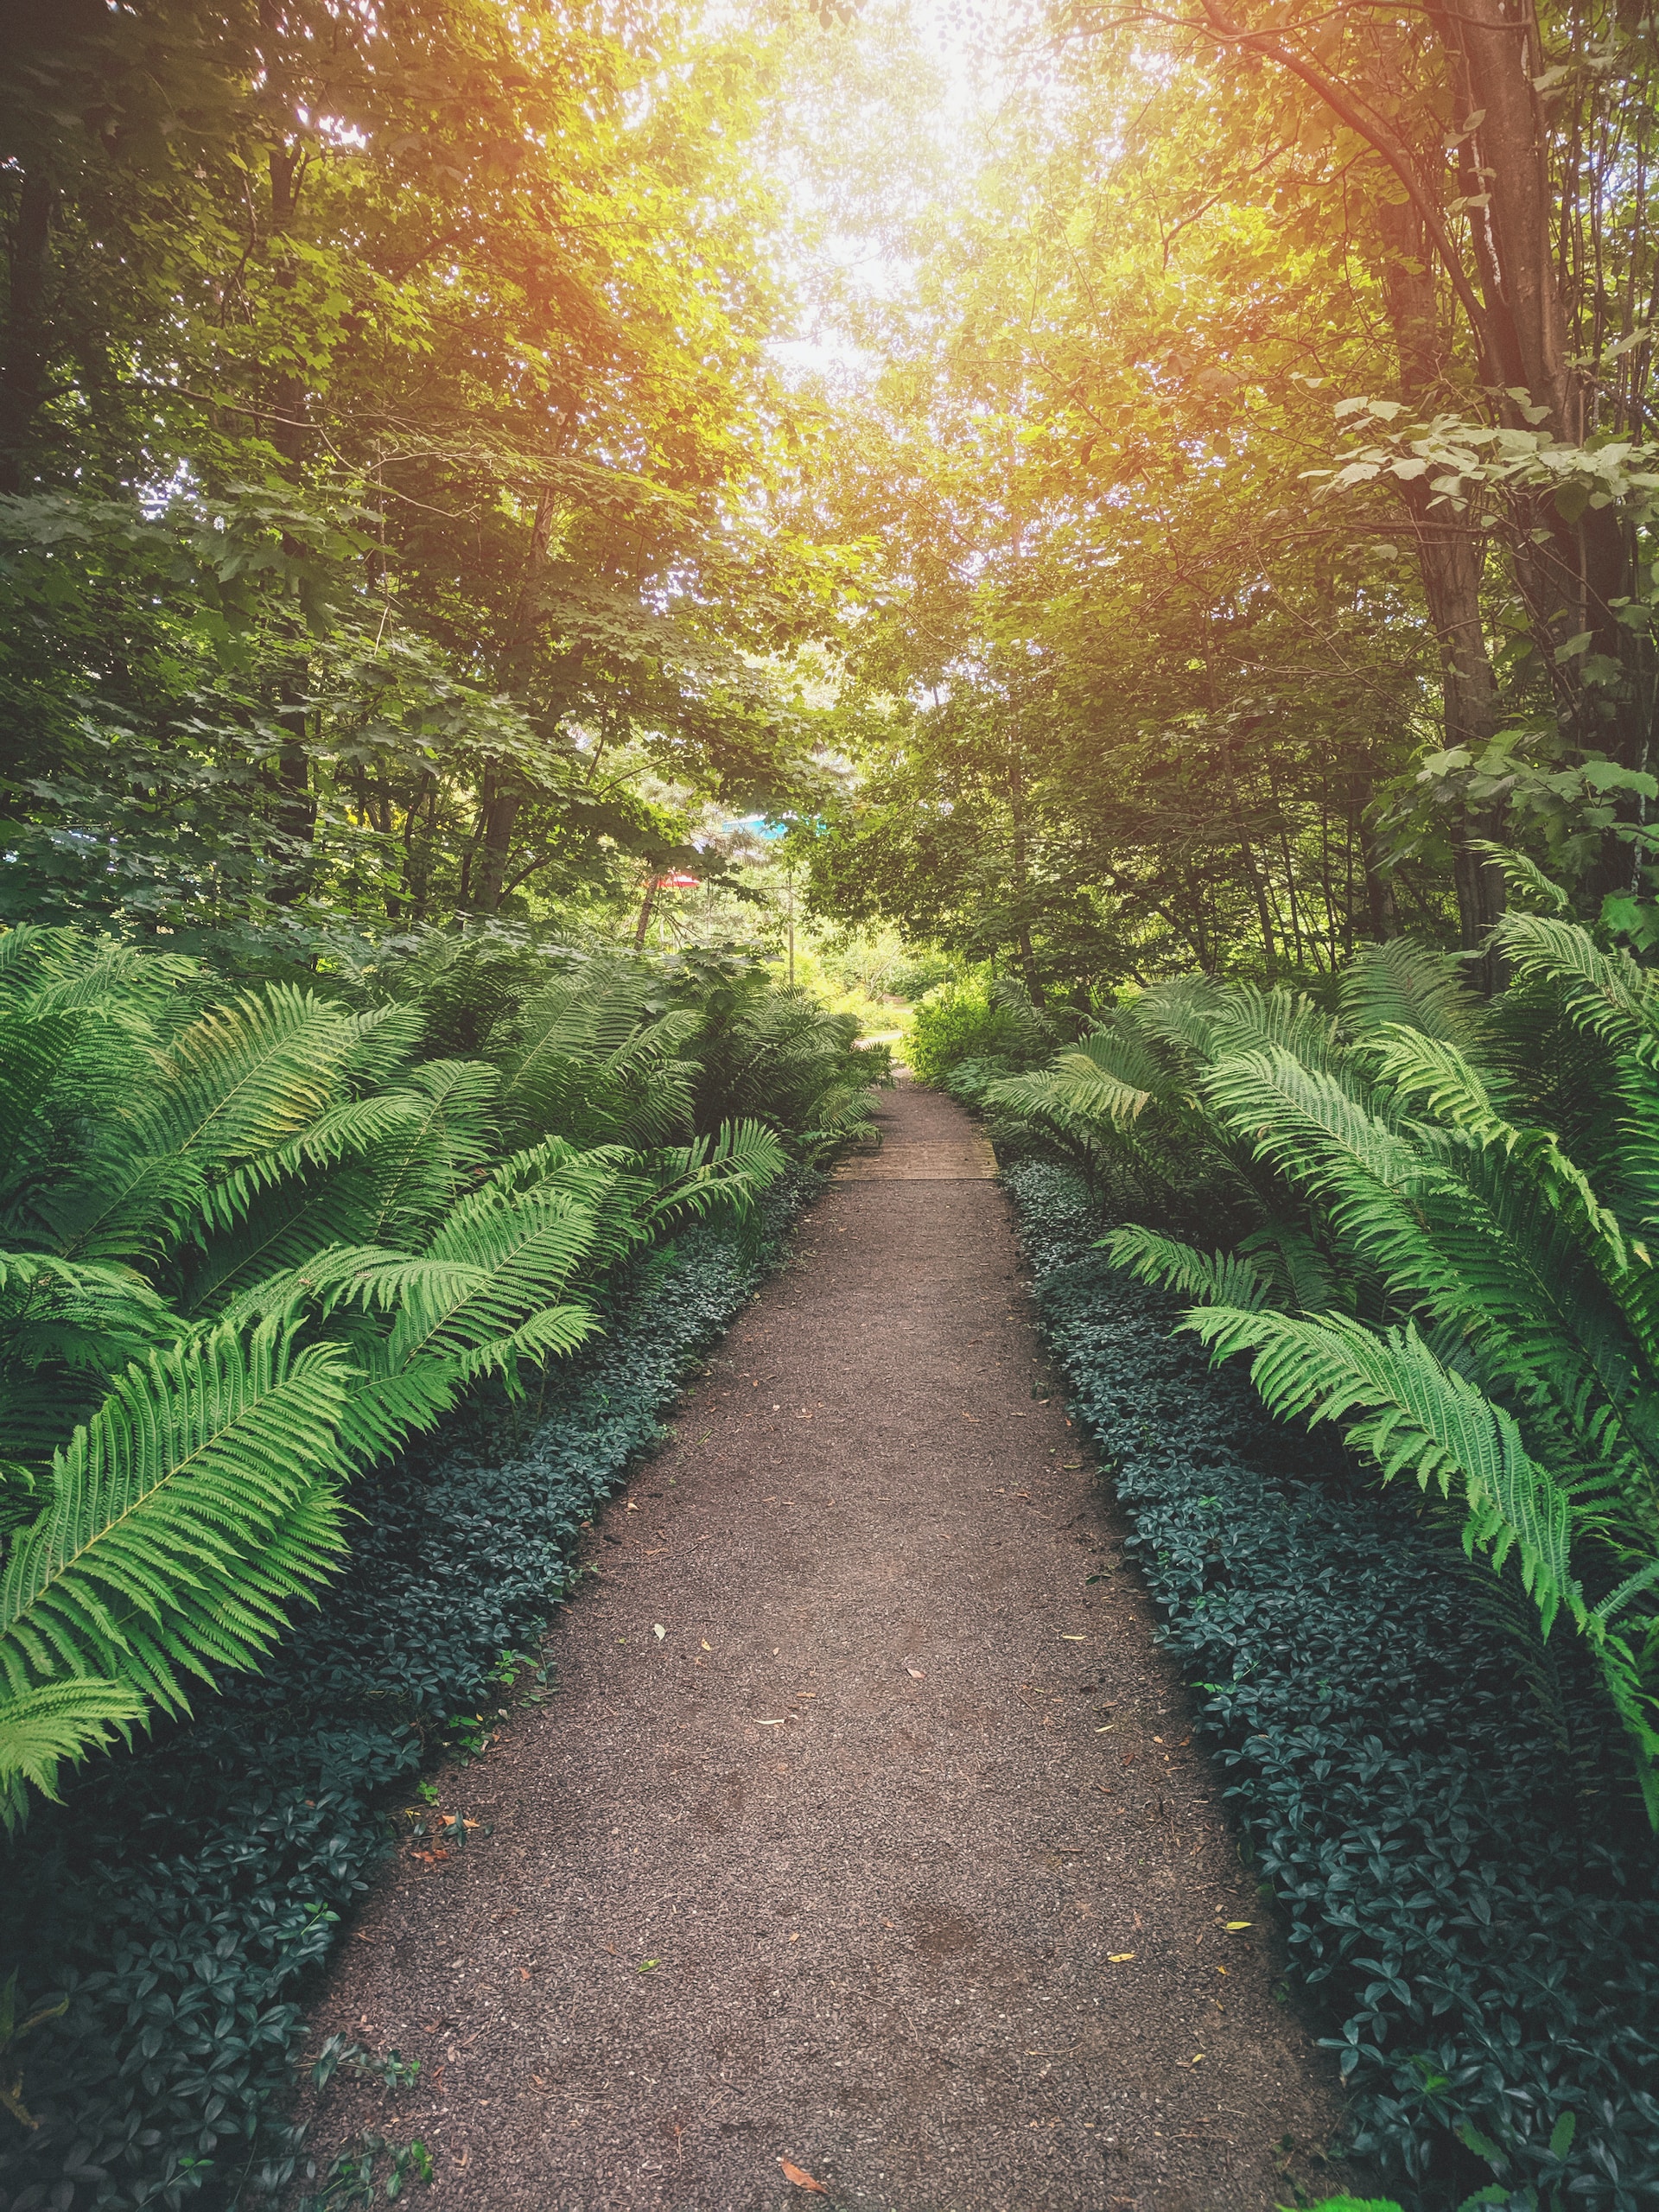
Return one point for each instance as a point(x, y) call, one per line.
point(995, 1025)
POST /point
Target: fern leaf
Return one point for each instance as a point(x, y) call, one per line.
point(199, 1499)
point(1406, 984)
point(41, 1728)
point(1606, 993)
point(728, 1169)
point(1414, 1414)
point(1216, 1278)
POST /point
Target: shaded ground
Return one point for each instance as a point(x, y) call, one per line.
point(863, 1831)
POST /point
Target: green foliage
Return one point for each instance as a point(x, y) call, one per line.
point(993, 1023)
point(761, 1049)
point(256, 1243)
point(1429, 1788)
point(373, 548)
point(1414, 1254)
point(168, 1914)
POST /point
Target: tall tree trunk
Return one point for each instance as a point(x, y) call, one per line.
point(22, 361)
point(1023, 879)
point(1449, 559)
point(646, 905)
point(503, 792)
point(295, 817)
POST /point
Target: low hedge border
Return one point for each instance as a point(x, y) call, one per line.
point(183, 1893)
point(1480, 1936)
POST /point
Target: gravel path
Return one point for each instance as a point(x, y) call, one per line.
point(863, 1832)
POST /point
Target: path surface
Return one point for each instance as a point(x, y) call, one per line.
point(842, 1864)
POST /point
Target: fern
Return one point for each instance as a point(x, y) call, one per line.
point(198, 1502)
point(1606, 993)
point(253, 1246)
point(1403, 984)
point(1215, 1278)
point(41, 1728)
point(1415, 1415)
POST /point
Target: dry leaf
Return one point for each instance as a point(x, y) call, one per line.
point(707, 1645)
point(524, 1974)
point(916, 1674)
point(1233, 1926)
point(1072, 1639)
point(1120, 1958)
point(802, 2180)
point(659, 1630)
point(769, 1724)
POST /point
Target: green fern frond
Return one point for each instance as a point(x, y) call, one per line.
point(1606, 993)
point(1080, 1097)
point(423, 1166)
point(1416, 1415)
point(1404, 983)
point(32, 1047)
point(729, 1169)
point(1179, 1016)
point(1087, 1083)
point(1120, 1048)
point(1523, 877)
point(1249, 1019)
point(120, 1206)
point(534, 1240)
point(1424, 1071)
point(1299, 1274)
point(41, 1728)
point(197, 1502)
point(248, 1077)
point(1214, 1278)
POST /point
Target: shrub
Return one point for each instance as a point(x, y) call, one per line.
point(995, 1023)
point(249, 1246)
point(183, 1896)
point(1409, 1250)
point(1468, 1905)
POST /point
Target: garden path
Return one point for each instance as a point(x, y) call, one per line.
point(864, 1830)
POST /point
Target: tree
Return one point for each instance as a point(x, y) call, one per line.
point(455, 326)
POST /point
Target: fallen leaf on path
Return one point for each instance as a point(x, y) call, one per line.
point(916, 1674)
point(707, 1645)
point(1233, 1926)
point(633, 1507)
point(1197, 2056)
point(1119, 1958)
point(770, 1724)
point(802, 2180)
point(524, 1974)
point(645, 1965)
point(659, 1630)
point(1065, 1638)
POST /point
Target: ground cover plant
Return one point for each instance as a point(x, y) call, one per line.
point(1439, 1208)
point(182, 1898)
point(259, 1242)
point(1470, 1907)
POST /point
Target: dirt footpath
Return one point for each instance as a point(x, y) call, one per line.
point(863, 1832)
